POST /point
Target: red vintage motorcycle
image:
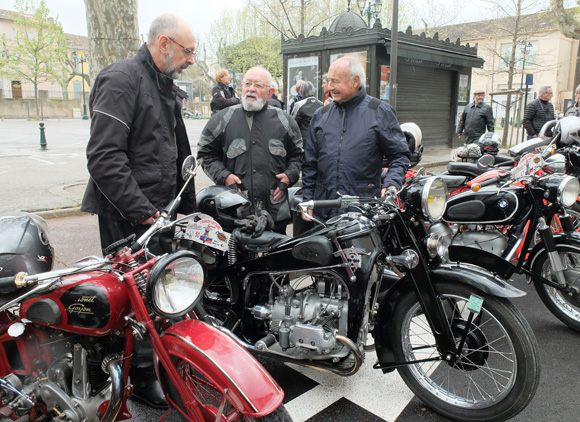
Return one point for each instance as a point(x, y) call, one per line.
point(67, 335)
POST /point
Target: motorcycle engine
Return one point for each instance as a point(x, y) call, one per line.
point(72, 385)
point(307, 314)
point(485, 238)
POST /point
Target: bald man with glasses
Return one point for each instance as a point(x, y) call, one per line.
point(136, 147)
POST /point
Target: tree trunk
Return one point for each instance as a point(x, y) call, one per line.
point(113, 31)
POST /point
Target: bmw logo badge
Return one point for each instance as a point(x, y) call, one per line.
point(502, 203)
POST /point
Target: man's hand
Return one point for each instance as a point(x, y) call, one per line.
point(279, 193)
point(309, 212)
point(390, 188)
point(459, 136)
point(231, 179)
point(151, 219)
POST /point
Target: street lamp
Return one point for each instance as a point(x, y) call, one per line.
point(371, 10)
point(76, 59)
point(524, 47)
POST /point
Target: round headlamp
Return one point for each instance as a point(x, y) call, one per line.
point(176, 284)
point(434, 198)
point(568, 191)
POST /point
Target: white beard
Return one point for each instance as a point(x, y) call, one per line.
point(256, 105)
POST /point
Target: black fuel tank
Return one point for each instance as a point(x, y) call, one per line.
point(486, 206)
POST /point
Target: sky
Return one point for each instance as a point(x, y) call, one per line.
point(198, 13)
point(201, 13)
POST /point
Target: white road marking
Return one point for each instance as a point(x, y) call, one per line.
point(42, 161)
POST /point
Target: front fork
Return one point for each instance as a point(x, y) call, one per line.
point(553, 255)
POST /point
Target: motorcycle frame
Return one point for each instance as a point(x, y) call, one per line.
point(246, 399)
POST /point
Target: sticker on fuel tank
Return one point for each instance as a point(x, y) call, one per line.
point(86, 306)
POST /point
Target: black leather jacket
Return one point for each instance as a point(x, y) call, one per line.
point(537, 113)
point(475, 120)
point(138, 142)
point(222, 96)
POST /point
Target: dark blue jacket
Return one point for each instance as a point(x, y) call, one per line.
point(345, 148)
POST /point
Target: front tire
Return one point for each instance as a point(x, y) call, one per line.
point(563, 306)
point(209, 395)
point(498, 371)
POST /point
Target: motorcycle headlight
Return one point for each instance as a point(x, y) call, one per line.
point(568, 191)
point(176, 284)
point(434, 198)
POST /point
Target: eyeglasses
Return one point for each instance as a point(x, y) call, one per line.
point(188, 51)
point(248, 84)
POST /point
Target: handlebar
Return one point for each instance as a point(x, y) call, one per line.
point(494, 180)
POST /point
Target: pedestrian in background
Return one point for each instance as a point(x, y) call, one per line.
point(257, 149)
point(538, 112)
point(327, 95)
point(297, 97)
point(222, 95)
point(347, 140)
point(475, 119)
point(304, 109)
point(575, 109)
point(135, 151)
point(274, 101)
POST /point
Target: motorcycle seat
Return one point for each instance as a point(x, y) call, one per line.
point(465, 169)
point(503, 160)
point(262, 243)
point(453, 180)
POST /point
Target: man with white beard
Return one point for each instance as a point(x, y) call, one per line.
point(254, 148)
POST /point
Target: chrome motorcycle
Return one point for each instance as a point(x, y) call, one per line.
point(450, 331)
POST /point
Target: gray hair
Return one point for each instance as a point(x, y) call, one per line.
point(163, 25)
point(274, 85)
point(577, 89)
point(307, 90)
point(355, 69)
point(543, 90)
point(325, 77)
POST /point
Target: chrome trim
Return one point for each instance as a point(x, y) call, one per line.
point(117, 387)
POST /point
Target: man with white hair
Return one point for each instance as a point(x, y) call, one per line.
point(347, 140)
point(538, 112)
point(254, 148)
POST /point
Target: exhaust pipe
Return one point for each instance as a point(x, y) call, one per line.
point(263, 349)
point(112, 366)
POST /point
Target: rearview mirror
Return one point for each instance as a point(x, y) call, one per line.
point(188, 168)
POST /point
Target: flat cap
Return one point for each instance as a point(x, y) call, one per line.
point(479, 91)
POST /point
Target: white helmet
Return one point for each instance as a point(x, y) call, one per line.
point(568, 128)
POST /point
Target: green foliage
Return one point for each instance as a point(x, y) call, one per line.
point(37, 53)
point(255, 51)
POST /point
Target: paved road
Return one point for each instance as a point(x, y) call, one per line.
point(33, 179)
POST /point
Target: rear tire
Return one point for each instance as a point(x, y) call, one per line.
point(498, 371)
point(209, 395)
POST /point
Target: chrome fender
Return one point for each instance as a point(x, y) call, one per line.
point(250, 387)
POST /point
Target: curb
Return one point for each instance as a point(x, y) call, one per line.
point(59, 213)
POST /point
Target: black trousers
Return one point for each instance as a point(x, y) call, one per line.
point(110, 231)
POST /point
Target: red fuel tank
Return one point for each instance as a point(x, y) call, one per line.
point(90, 303)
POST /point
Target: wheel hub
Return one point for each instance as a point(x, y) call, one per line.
point(475, 350)
point(572, 276)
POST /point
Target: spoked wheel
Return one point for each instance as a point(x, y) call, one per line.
point(564, 305)
point(210, 396)
point(497, 372)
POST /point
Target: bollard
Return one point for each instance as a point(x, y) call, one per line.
point(42, 137)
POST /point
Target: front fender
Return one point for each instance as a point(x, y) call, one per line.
point(250, 387)
point(567, 239)
point(476, 277)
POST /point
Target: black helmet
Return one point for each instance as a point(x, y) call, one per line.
point(24, 245)
point(223, 204)
point(489, 143)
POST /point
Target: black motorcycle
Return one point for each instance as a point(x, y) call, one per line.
point(522, 226)
point(450, 331)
